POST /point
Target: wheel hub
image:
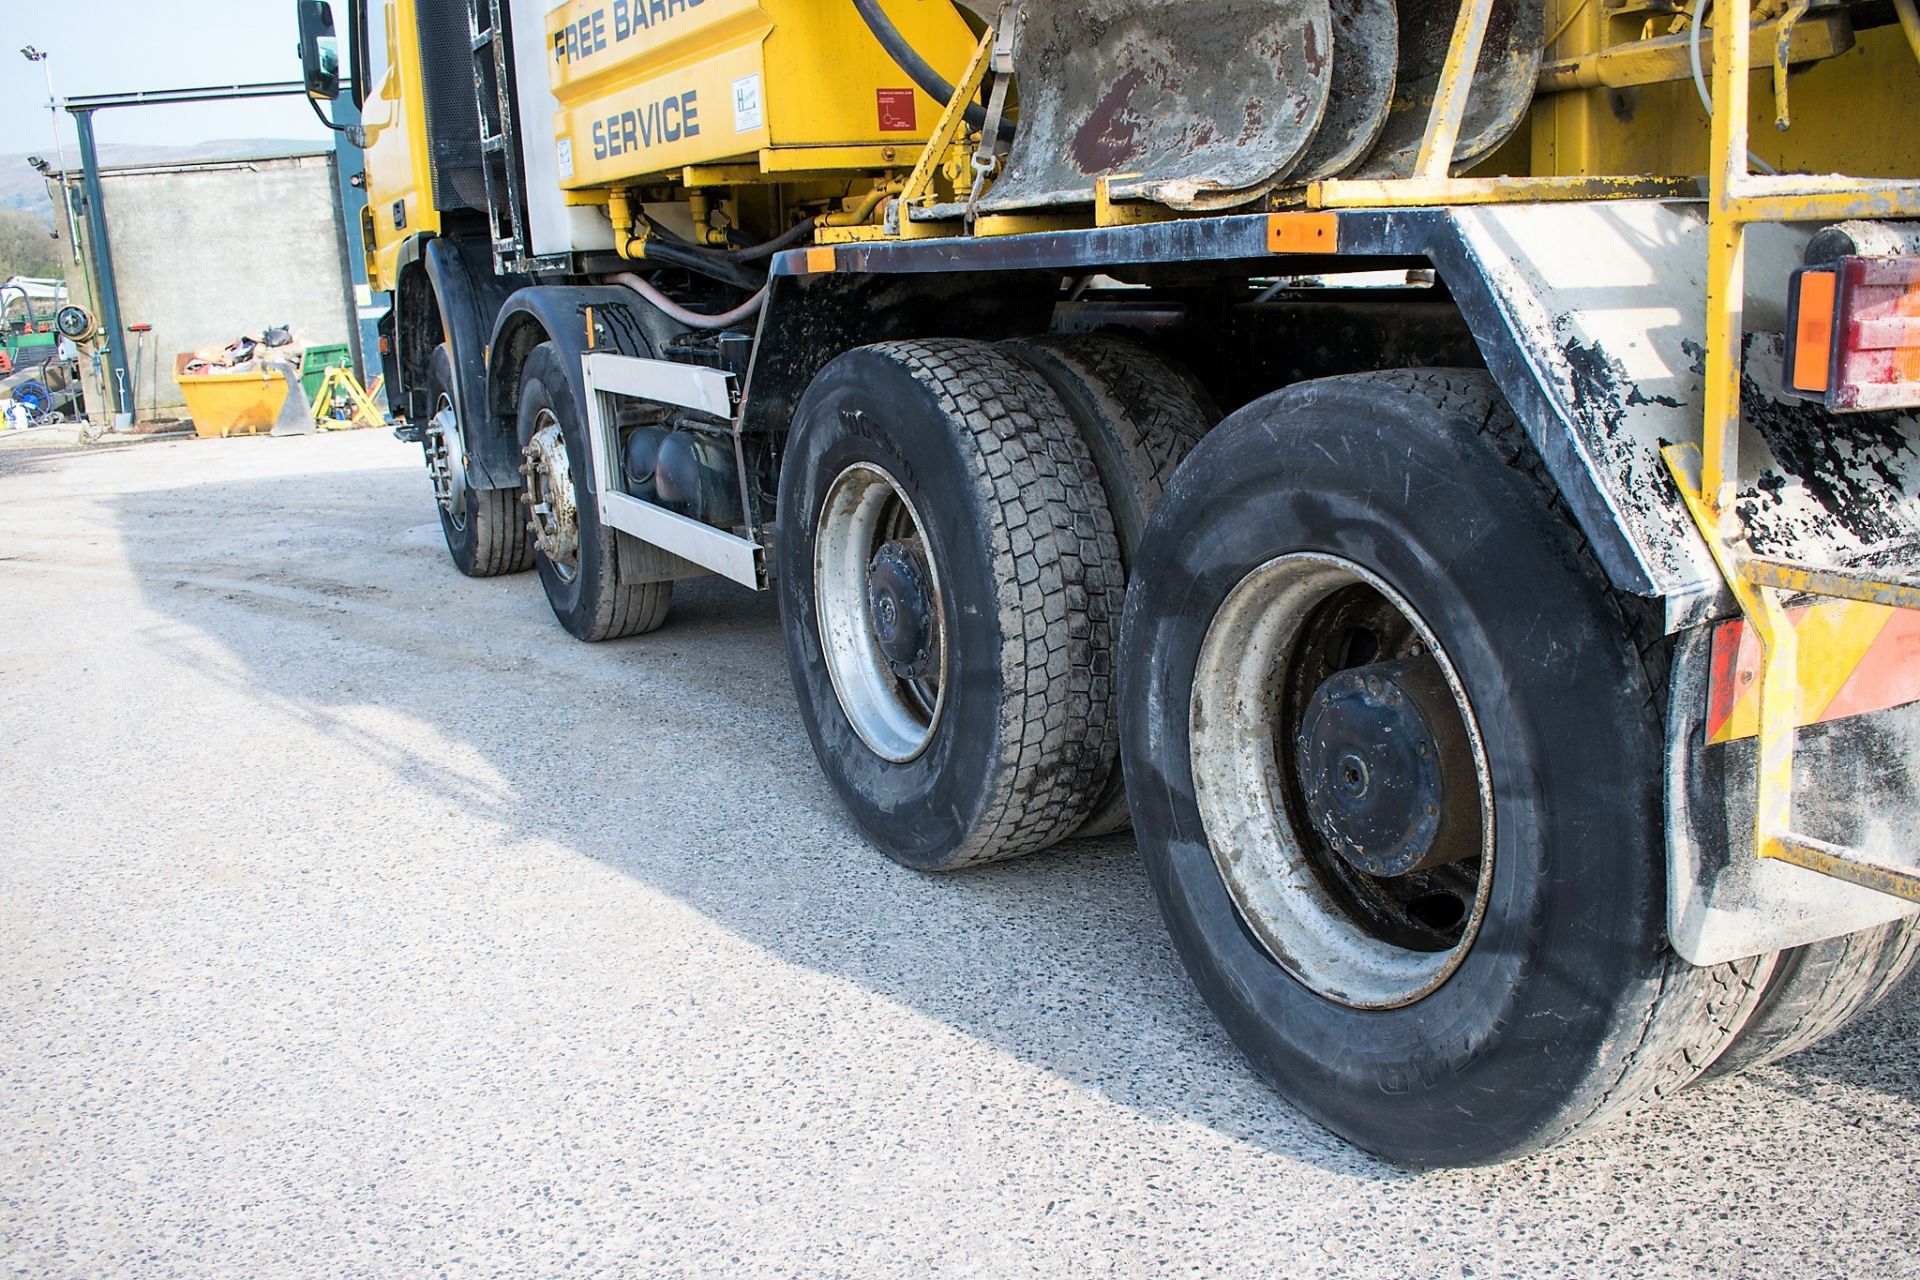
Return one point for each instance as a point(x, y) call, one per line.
point(900, 605)
point(555, 521)
point(877, 598)
point(447, 460)
point(1373, 758)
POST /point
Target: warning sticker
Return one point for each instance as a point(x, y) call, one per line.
point(896, 110)
point(565, 150)
point(747, 115)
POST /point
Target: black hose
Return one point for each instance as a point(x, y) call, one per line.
point(752, 253)
point(767, 248)
point(715, 266)
point(918, 69)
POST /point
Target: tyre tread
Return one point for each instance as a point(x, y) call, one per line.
point(1151, 416)
point(1817, 989)
point(1052, 539)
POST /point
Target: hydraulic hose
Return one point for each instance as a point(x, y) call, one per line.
point(752, 253)
point(692, 319)
point(917, 68)
point(767, 248)
point(713, 265)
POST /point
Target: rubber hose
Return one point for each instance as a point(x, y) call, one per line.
point(715, 266)
point(692, 319)
point(767, 248)
point(752, 253)
point(918, 69)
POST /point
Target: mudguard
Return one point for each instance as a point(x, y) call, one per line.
point(470, 295)
point(622, 322)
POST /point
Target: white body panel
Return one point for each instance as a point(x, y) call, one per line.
point(553, 226)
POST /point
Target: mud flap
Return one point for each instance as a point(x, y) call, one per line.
point(1854, 784)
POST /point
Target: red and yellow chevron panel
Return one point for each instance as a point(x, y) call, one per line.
point(1853, 658)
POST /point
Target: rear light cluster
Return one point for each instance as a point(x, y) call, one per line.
point(1853, 333)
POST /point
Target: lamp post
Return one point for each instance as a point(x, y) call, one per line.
point(32, 54)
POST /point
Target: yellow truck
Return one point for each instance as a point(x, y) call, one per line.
point(1443, 473)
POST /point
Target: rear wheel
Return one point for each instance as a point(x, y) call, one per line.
point(948, 590)
point(484, 532)
point(1139, 415)
point(577, 556)
point(1817, 989)
point(1364, 664)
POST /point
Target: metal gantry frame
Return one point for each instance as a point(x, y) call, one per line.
point(82, 108)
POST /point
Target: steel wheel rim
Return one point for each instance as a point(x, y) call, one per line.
point(1300, 898)
point(551, 497)
point(865, 509)
point(446, 463)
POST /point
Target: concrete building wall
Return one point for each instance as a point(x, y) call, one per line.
point(207, 252)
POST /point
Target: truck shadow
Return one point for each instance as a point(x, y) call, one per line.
point(679, 760)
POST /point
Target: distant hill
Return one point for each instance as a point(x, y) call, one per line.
point(22, 188)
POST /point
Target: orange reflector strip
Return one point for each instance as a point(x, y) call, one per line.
point(1813, 333)
point(820, 259)
point(1855, 658)
point(1303, 232)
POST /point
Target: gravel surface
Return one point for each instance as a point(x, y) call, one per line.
point(355, 921)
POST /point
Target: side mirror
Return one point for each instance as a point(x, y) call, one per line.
point(319, 50)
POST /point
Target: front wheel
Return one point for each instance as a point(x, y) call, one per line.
point(578, 556)
point(1393, 752)
point(484, 532)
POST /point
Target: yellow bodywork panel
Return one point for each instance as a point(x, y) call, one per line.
point(399, 183)
point(1845, 118)
point(647, 87)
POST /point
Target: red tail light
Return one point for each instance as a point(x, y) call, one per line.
point(1853, 333)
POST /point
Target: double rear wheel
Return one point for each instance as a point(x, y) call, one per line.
point(956, 522)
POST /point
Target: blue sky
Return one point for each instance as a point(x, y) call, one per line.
point(114, 46)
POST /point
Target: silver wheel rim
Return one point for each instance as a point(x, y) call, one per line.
point(446, 461)
point(550, 497)
point(865, 509)
point(1286, 879)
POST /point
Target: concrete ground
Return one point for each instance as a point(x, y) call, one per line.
point(355, 921)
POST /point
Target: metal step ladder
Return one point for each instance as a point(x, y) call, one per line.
point(500, 157)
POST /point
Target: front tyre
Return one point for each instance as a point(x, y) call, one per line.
point(484, 532)
point(1393, 752)
point(578, 557)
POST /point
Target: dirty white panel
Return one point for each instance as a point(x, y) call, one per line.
point(553, 226)
point(1609, 300)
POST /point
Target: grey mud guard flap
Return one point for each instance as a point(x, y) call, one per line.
point(1856, 783)
point(1503, 82)
point(1194, 105)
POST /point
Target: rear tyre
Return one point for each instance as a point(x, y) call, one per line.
point(1362, 660)
point(1817, 989)
point(484, 532)
point(949, 590)
point(577, 556)
point(1139, 415)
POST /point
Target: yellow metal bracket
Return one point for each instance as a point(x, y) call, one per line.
point(947, 130)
